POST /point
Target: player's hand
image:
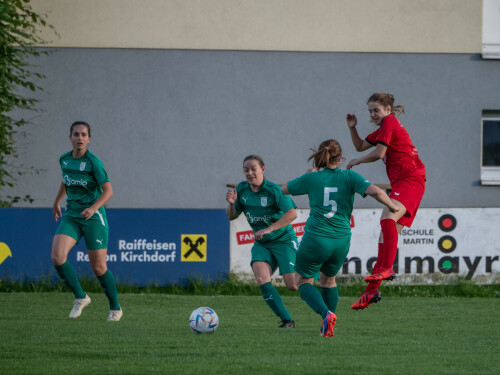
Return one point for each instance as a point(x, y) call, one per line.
point(352, 121)
point(259, 234)
point(56, 212)
point(88, 213)
point(231, 196)
point(352, 163)
point(312, 170)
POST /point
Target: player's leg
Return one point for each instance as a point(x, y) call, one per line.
point(329, 291)
point(106, 279)
point(388, 243)
point(331, 267)
point(262, 271)
point(313, 298)
point(96, 238)
point(407, 195)
point(285, 254)
point(310, 258)
point(61, 245)
point(67, 235)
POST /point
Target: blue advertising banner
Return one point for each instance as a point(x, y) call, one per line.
point(146, 247)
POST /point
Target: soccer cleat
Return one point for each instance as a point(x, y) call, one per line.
point(327, 325)
point(368, 297)
point(115, 315)
point(78, 306)
point(287, 324)
point(387, 274)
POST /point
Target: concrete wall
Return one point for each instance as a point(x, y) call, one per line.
point(178, 92)
point(172, 126)
point(425, 26)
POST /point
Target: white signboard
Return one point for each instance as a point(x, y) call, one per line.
point(441, 245)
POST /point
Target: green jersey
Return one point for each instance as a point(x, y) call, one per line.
point(331, 198)
point(264, 208)
point(83, 178)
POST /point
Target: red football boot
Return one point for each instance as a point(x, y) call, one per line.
point(327, 325)
point(368, 297)
point(387, 274)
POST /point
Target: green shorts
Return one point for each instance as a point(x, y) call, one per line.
point(318, 253)
point(95, 230)
point(277, 254)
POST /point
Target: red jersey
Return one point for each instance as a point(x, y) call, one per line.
point(401, 158)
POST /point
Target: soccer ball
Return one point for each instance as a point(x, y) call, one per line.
point(204, 320)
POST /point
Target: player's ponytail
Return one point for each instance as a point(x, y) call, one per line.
point(328, 152)
point(387, 100)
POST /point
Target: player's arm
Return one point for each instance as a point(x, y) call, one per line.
point(284, 220)
point(56, 207)
point(359, 144)
point(377, 154)
point(378, 194)
point(284, 189)
point(106, 195)
point(231, 197)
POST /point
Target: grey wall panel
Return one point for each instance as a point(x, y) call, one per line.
point(172, 126)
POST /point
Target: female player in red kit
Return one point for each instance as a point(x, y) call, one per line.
point(406, 174)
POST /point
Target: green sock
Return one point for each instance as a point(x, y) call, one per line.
point(68, 274)
point(273, 299)
point(311, 295)
point(331, 297)
point(108, 284)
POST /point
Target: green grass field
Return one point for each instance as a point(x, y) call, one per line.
point(400, 335)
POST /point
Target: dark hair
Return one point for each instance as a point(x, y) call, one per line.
point(328, 152)
point(387, 100)
point(255, 157)
point(76, 123)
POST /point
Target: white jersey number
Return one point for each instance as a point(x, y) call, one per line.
point(330, 202)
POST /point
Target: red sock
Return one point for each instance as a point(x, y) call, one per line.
point(390, 234)
point(376, 269)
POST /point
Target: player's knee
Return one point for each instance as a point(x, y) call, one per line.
point(57, 258)
point(291, 284)
point(99, 269)
point(262, 279)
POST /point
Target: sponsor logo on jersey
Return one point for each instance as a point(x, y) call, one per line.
point(69, 182)
point(257, 219)
point(245, 199)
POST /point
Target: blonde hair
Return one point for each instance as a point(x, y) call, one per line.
point(328, 152)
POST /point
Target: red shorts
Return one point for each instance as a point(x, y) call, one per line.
point(409, 191)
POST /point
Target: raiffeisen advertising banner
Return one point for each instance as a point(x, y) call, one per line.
point(146, 247)
point(440, 245)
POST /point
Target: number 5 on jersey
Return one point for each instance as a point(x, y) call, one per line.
point(330, 202)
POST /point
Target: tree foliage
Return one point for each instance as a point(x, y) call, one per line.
point(19, 34)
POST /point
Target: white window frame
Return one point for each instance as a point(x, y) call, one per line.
point(491, 29)
point(489, 175)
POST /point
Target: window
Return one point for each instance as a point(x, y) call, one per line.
point(490, 148)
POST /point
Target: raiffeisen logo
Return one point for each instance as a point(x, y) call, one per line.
point(139, 250)
point(69, 182)
point(4, 252)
